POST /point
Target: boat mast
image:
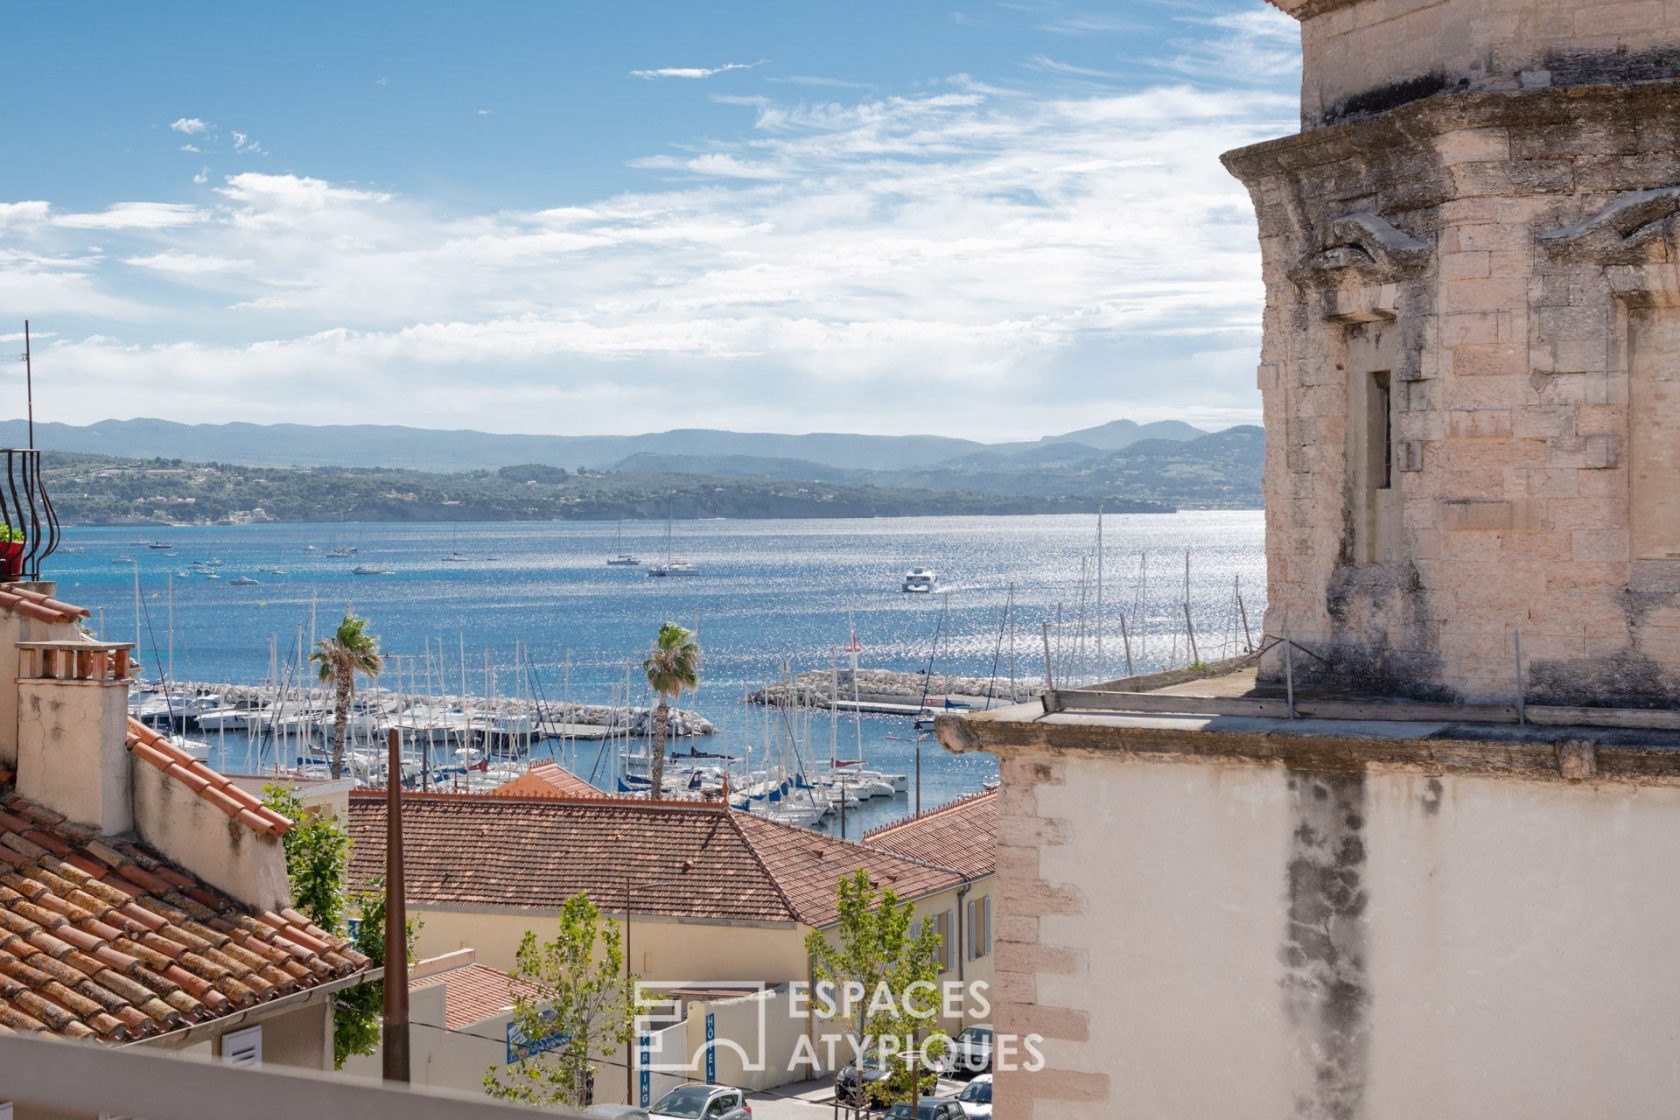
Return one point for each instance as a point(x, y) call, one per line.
point(1099, 673)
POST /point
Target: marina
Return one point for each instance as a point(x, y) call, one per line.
point(548, 625)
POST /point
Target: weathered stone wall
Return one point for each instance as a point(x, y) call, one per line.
point(1365, 56)
point(1521, 248)
point(1200, 937)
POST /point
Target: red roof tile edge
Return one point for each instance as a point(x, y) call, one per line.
point(910, 822)
point(38, 605)
point(211, 787)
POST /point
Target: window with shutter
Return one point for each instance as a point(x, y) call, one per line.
point(243, 1048)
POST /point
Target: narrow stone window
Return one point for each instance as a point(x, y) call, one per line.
point(1373, 484)
point(1382, 437)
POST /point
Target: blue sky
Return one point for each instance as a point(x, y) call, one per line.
point(992, 219)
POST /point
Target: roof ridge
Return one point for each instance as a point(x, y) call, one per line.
point(956, 803)
point(490, 797)
point(206, 784)
point(752, 849)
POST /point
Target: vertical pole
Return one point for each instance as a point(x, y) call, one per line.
point(842, 810)
point(1049, 667)
point(1101, 668)
point(629, 1054)
point(1190, 628)
point(396, 920)
point(1248, 636)
point(919, 739)
point(1126, 639)
point(1289, 672)
point(29, 384)
point(1522, 714)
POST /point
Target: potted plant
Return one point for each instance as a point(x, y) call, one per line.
point(11, 552)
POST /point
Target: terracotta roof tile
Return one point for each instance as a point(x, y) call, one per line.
point(679, 858)
point(118, 945)
point(547, 779)
point(214, 788)
point(472, 993)
point(961, 835)
point(36, 605)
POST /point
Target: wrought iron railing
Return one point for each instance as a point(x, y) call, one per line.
point(28, 515)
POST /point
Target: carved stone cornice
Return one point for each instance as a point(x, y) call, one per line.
point(1635, 229)
point(1361, 248)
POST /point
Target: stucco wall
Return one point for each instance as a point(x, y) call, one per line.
point(70, 750)
point(1366, 54)
point(660, 949)
point(1218, 939)
point(193, 835)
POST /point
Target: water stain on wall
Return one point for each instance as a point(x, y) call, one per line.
point(1325, 987)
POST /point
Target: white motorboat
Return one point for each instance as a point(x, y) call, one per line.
point(920, 581)
point(673, 568)
point(226, 719)
point(244, 581)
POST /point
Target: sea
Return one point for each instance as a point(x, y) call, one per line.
point(533, 608)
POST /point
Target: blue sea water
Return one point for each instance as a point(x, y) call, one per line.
point(769, 593)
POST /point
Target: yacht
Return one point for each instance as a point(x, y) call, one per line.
point(341, 552)
point(673, 568)
point(919, 581)
point(368, 570)
point(623, 559)
point(244, 581)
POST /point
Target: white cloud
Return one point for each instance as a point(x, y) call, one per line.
point(190, 126)
point(203, 175)
point(243, 143)
point(133, 216)
point(190, 147)
point(484, 112)
point(969, 258)
point(694, 71)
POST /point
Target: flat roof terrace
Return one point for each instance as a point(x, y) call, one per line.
point(1229, 716)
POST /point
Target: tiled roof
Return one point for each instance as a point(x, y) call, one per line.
point(34, 604)
point(104, 940)
point(807, 866)
point(471, 993)
point(961, 835)
point(682, 859)
point(547, 779)
point(217, 789)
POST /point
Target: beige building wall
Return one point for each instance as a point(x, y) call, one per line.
point(660, 948)
point(1381, 945)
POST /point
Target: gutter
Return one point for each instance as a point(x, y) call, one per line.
point(198, 1032)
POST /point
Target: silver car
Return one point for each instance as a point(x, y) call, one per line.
point(703, 1102)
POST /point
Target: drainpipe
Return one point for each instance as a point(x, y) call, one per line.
point(962, 894)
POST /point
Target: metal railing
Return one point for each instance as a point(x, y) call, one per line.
point(25, 509)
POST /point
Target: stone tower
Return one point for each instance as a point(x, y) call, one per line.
point(1471, 368)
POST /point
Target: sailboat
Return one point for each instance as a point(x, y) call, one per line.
point(673, 566)
point(623, 559)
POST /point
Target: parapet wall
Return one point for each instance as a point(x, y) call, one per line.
point(1366, 56)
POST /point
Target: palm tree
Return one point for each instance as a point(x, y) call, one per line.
point(672, 665)
point(349, 651)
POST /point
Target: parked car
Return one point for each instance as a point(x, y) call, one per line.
point(969, 1052)
point(703, 1102)
point(617, 1111)
point(976, 1098)
point(928, 1108)
point(851, 1084)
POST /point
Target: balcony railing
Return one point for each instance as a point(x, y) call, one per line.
point(28, 513)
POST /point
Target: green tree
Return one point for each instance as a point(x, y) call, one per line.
point(671, 666)
point(574, 999)
point(338, 659)
point(874, 952)
point(317, 862)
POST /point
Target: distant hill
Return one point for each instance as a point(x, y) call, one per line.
point(379, 445)
point(374, 445)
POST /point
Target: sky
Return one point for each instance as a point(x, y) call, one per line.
point(995, 220)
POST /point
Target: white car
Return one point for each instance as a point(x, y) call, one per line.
point(976, 1098)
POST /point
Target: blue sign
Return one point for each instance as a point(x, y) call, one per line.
point(519, 1047)
point(711, 1052)
point(646, 1056)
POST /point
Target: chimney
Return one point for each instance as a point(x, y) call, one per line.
point(72, 730)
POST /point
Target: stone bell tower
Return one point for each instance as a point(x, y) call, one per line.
point(1471, 367)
